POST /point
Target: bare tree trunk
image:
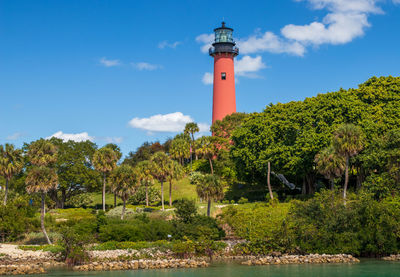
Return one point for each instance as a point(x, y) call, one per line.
point(209, 207)
point(115, 200)
point(211, 166)
point(170, 193)
point(104, 192)
point(6, 193)
point(304, 189)
point(346, 178)
point(147, 193)
point(269, 181)
point(42, 220)
point(162, 195)
point(123, 209)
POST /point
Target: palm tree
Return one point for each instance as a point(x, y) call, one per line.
point(160, 169)
point(117, 151)
point(207, 147)
point(42, 177)
point(105, 160)
point(175, 172)
point(125, 181)
point(208, 187)
point(180, 149)
point(11, 163)
point(330, 164)
point(347, 142)
point(145, 177)
point(190, 129)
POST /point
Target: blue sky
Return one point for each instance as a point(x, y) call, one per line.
point(134, 71)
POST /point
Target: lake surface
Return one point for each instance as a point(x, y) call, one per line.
point(367, 268)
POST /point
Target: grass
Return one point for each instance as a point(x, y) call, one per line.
point(72, 213)
point(180, 189)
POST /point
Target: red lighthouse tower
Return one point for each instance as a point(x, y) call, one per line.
point(224, 51)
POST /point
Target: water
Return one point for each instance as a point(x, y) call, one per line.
point(367, 268)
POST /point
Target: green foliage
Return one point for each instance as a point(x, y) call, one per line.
point(260, 223)
point(139, 245)
point(16, 218)
point(140, 228)
point(186, 210)
point(73, 241)
point(199, 227)
point(243, 200)
point(184, 249)
point(139, 198)
point(53, 248)
point(290, 135)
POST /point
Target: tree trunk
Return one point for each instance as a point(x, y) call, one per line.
point(63, 198)
point(304, 189)
point(209, 207)
point(115, 200)
point(346, 178)
point(6, 193)
point(332, 182)
point(211, 166)
point(42, 220)
point(269, 181)
point(104, 192)
point(123, 209)
point(147, 193)
point(162, 195)
point(170, 193)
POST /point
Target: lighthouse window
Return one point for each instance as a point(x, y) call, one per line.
point(223, 76)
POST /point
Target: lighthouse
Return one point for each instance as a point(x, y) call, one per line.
point(223, 51)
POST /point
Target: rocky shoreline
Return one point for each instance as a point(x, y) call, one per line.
point(14, 261)
point(142, 264)
point(392, 258)
point(301, 259)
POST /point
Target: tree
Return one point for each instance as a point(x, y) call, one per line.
point(330, 164)
point(42, 177)
point(208, 148)
point(225, 127)
point(176, 172)
point(180, 149)
point(117, 151)
point(208, 187)
point(160, 169)
point(74, 169)
point(145, 177)
point(190, 129)
point(125, 182)
point(144, 152)
point(11, 163)
point(105, 160)
point(347, 142)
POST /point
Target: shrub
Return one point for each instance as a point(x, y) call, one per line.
point(200, 226)
point(16, 218)
point(185, 210)
point(139, 198)
point(243, 200)
point(73, 243)
point(184, 249)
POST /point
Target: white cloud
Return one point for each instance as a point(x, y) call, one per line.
point(74, 137)
point(14, 136)
point(346, 20)
point(208, 78)
point(109, 63)
point(269, 42)
point(207, 41)
point(248, 66)
point(165, 44)
point(146, 66)
point(172, 122)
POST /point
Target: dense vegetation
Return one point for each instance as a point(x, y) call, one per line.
point(321, 175)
